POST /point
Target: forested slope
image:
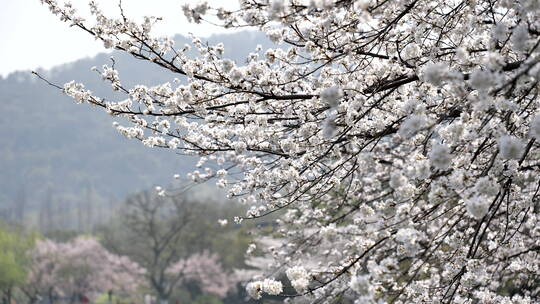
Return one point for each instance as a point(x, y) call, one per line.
point(57, 157)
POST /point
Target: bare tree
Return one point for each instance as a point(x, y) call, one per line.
point(46, 215)
point(156, 227)
point(88, 208)
point(20, 205)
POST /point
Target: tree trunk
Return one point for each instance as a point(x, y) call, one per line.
point(8, 295)
point(163, 299)
point(51, 298)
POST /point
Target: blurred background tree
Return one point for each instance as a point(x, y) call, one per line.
point(170, 235)
point(13, 261)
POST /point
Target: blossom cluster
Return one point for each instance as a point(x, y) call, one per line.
point(272, 287)
point(299, 278)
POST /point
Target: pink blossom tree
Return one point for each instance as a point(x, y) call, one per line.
point(205, 270)
point(44, 259)
point(79, 267)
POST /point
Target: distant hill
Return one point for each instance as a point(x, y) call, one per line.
point(56, 157)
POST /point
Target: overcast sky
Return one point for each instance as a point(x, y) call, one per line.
point(31, 37)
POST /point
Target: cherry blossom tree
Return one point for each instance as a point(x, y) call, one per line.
point(397, 139)
point(205, 271)
point(41, 281)
point(81, 267)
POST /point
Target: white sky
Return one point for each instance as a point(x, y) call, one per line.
point(31, 37)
